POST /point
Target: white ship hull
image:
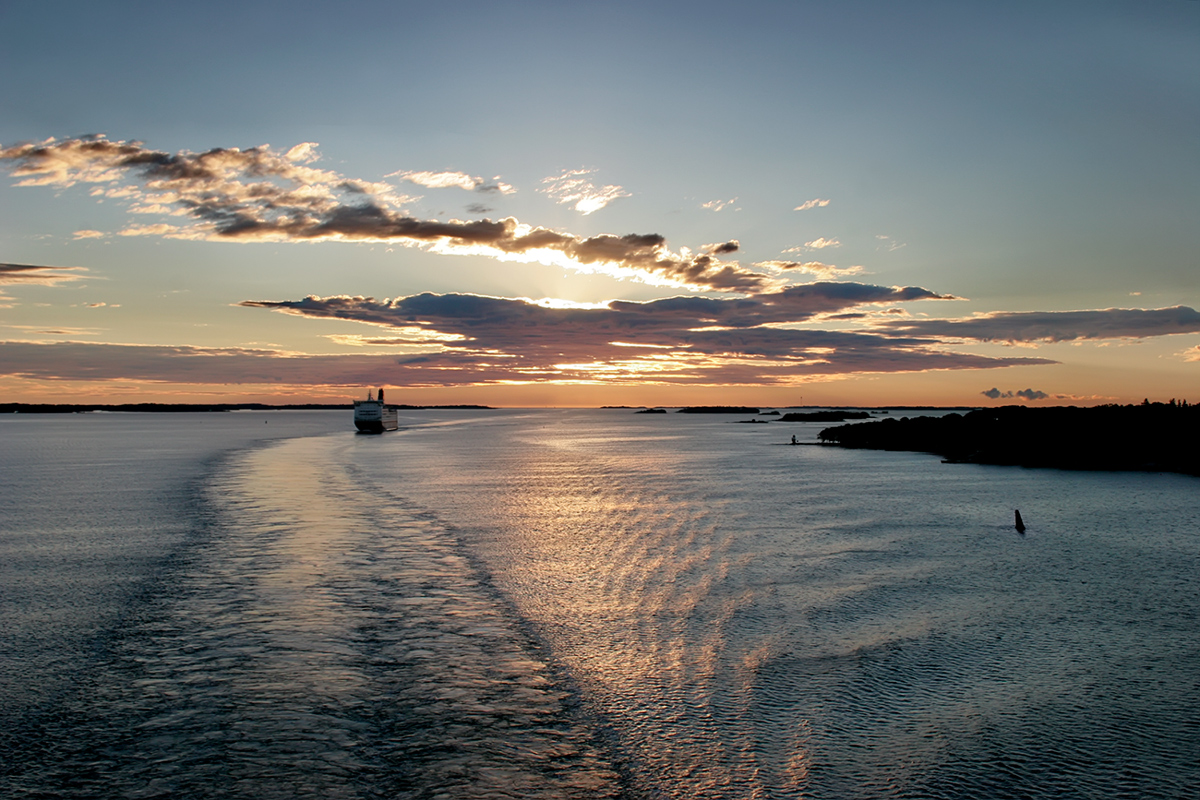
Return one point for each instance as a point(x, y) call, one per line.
point(374, 416)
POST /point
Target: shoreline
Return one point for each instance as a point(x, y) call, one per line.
point(1151, 437)
point(84, 408)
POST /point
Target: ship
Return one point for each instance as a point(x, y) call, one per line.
point(374, 416)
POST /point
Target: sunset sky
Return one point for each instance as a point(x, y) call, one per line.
point(540, 204)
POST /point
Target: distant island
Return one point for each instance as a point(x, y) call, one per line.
point(80, 408)
point(719, 410)
point(1154, 437)
point(823, 416)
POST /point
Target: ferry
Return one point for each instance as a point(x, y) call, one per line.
point(373, 416)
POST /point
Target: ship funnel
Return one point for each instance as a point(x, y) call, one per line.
point(381, 394)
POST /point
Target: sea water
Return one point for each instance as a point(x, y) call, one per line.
point(580, 604)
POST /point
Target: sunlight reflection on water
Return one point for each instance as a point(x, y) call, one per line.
point(761, 620)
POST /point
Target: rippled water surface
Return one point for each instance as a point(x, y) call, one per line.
point(581, 604)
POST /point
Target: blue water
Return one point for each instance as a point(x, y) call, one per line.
point(580, 604)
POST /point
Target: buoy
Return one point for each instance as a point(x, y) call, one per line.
point(1020, 526)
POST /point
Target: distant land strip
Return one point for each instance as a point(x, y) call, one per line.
point(1151, 437)
point(824, 416)
point(63, 408)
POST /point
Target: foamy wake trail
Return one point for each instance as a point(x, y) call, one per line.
point(323, 641)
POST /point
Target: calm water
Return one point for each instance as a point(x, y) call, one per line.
point(580, 604)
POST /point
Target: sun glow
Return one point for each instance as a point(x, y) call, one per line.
point(401, 336)
point(550, 257)
point(554, 302)
point(649, 346)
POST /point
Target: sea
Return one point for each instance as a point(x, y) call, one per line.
point(580, 604)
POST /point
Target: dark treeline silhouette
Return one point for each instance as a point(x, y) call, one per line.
point(1160, 437)
point(719, 410)
point(823, 416)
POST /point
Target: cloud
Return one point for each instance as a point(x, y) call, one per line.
point(671, 340)
point(461, 180)
point(760, 356)
point(81, 361)
point(1057, 326)
point(573, 188)
point(89, 234)
point(57, 331)
point(806, 205)
point(815, 244)
point(38, 275)
point(1191, 354)
point(219, 188)
point(261, 195)
point(722, 248)
point(718, 205)
point(160, 229)
point(1027, 394)
point(406, 338)
point(449, 313)
point(303, 153)
point(35, 275)
point(461, 339)
point(818, 244)
point(888, 243)
point(811, 267)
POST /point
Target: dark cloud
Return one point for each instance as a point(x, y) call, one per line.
point(33, 275)
point(724, 248)
point(478, 208)
point(676, 339)
point(1028, 394)
point(1057, 326)
point(17, 270)
point(455, 313)
point(37, 274)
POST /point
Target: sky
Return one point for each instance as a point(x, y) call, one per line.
point(550, 204)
